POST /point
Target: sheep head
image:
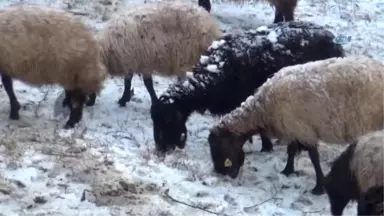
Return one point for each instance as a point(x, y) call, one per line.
point(169, 127)
point(227, 151)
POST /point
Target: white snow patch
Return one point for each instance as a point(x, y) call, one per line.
point(204, 59)
point(212, 68)
point(272, 36)
point(262, 28)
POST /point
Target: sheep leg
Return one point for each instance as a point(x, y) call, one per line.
point(91, 100)
point(148, 82)
point(206, 4)
point(291, 150)
point(77, 100)
point(314, 156)
point(266, 144)
point(127, 92)
point(15, 105)
point(288, 14)
point(279, 17)
point(67, 99)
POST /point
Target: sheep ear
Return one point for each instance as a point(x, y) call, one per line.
point(227, 163)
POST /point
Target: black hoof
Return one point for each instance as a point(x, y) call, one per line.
point(122, 102)
point(266, 150)
point(90, 103)
point(317, 190)
point(287, 172)
point(14, 116)
point(69, 125)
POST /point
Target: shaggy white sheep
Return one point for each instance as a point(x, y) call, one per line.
point(163, 37)
point(40, 45)
point(358, 169)
point(333, 100)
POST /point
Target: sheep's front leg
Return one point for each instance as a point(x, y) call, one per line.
point(148, 82)
point(266, 144)
point(206, 4)
point(314, 156)
point(127, 91)
point(15, 105)
point(291, 150)
point(279, 16)
point(77, 99)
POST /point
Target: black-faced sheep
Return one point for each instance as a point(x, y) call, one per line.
point(231, 69)
point(47, 46)
point(371, 202)
point(284, 9)
point(333, 100)
point(358, 169)
point(163, 37)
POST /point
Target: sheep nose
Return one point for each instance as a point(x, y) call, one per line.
point(233, 172)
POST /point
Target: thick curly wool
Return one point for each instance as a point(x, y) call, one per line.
point(333, 100)
point(163, 37)
point(47, 46)
point(367, 161)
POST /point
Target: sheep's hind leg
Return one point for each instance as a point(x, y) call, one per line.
point(292, 149)
point(314, 156)
point(15, 105)
point(206, 4)
point(266, 144)
point(148, 82)
point(77, 100)
point(127, 92)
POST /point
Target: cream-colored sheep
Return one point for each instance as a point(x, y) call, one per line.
point(40, 45)
point(358, 169)
point(333, 100)
point(163, 37)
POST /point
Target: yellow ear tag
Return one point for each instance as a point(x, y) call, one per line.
point(227, 163)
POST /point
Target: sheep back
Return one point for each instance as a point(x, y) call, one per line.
point(235, 65)
point(165, 37)
point(334, 100)
point(41, 45)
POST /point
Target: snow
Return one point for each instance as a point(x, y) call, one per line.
point(109, 158)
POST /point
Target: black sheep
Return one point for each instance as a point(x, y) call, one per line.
point(232, 69)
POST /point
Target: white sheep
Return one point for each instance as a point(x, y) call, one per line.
point(163, 37)
point(358, 169)
point(333, 100)
point(40, 45)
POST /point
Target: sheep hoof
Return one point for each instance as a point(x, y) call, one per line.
point(287, 172)
point(266, 150)
point(317, 190)
point(14, 116)
point(69, 125)
point(90, 103)
point(122, 102)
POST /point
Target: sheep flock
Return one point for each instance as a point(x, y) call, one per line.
point(289, 80)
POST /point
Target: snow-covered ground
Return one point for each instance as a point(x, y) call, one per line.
point(107, 166)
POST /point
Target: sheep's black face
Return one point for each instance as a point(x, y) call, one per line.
point(169, 128)
point(226, 152)
point(340, 184)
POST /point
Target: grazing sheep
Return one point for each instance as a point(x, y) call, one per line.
point(284, 9)
point(163, 37)
point(355, 171)
point(47, 46)
point(333, 100)
point(371, 202)
point(231, 69)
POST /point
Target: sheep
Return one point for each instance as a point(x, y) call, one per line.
point(231, 69)
point(333, 100)
point(44, 46)
point(358, 169)
point(371, 202)
point(163, 37)
point(284, 9)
